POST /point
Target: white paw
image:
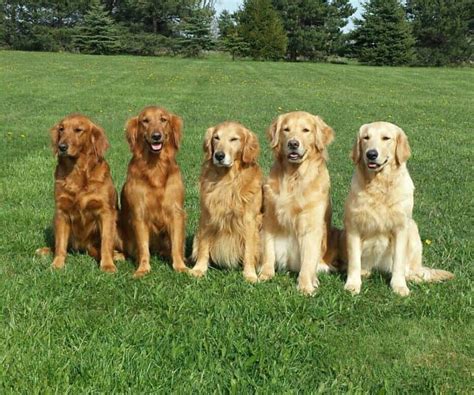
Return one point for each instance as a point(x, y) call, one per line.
point(401, 290)
point(353, 287)
point(307, 289)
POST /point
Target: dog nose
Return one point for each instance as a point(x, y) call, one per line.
point(63, 147)
point(372, 154)
point(156, 136)
point(293, 144)
point(219, 155)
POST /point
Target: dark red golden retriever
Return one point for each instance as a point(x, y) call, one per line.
point(85, 198)
point(152, 216)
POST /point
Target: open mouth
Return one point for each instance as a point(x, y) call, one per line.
point(375, 165)
point(156, 147)
point(294, 156)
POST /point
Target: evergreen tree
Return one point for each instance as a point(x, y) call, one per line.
point(230, 39)
point(313, 26)
point(195, 32)
point(383, 35)
point(441, 29)
point(262, 28)
point(97, 34)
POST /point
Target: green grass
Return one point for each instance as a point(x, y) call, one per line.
point(79, 330)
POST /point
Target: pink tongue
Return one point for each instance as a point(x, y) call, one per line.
point(372, 165)
point(156, 147)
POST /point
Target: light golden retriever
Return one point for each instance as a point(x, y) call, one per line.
point(151, 215)
point(297, 231)
point(231, 201)
point(380, 232)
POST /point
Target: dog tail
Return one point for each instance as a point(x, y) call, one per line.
point(332, 258)
point(427, 274)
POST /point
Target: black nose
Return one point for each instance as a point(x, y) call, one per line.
point(63, 147)
point(372, 154)
point(219, 155)
point(156, 136)
point(293, 144)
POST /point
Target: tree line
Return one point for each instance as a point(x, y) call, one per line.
point(422, 32)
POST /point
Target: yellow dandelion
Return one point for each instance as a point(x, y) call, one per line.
point(428, 241)
point(22, 136)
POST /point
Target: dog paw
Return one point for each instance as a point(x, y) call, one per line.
point(181, 268)
point(307, 289)
point(108, 267)
point(401, 290)
point(58, 263)
point(353, 287)
point(119, 256)
point(141, 273)
point(198, 273)
point(251, 277)
point(265, 276)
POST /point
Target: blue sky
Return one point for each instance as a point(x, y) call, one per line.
point(232, 5)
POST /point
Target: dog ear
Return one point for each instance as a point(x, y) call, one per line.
point(54, 135)
point(176, 130)
point(402, 149)
point(207, 144)
point(99, 141)
point(251, 148)
point(273, 132)
point(131, 132)
point(355, 153)
point(324, 134)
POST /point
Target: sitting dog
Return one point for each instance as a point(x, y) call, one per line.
point(297, 232)
point(152, 201)
point(231, 201)
point(380, 232)
point(85, 197)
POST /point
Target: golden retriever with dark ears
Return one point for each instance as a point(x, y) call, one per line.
point(231, 201)
point(380, 232)
point(297, 231)
point(85, 198)
point(152, 200)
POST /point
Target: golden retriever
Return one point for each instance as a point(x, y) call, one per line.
point(231, 201)
point(85, 197)
point(297, 231)
point(152, 200)
point(380, 232)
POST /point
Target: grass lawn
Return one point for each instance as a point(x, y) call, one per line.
point(79, 330)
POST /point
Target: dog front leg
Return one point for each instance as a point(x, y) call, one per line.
point(62, 230)
point(268, 265)
point(354, 253)
point(201, 254)
point(142, 241)
point(398, 282)
point(107, 240)
point(310, 255)
point(251, 251)
point(176, 231)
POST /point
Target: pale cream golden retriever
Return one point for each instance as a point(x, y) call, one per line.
point(297, 233)
point(380, 232)
point(231, 201)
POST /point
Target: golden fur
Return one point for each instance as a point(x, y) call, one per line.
point(380, 232)
point(297, 231)
point(231, 201)
point(85, 197)
point(152, 214)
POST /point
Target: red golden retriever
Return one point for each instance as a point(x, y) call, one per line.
point(152, 214)
point(85, 198)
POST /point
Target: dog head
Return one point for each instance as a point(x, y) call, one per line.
point(295, 136)
point(379, 144)
point(229, 142)
point(75, 135)
point(153, 130)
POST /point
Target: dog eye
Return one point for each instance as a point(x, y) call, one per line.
point(216, 138)
point(163, 120)
point(366, 137)
point(385, 138)
point(61, 129)
point(306, 130)
point(145, 120)
point(234, 139)
point(287, 129)
point(77, 130)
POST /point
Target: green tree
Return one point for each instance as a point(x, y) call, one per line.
point(262, 28)
point(313, 26)
point(229, 39)
point(195, 32)
point(442, 30)
point(97, 34)
point(383, 35)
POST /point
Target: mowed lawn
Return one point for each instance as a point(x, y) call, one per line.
point(79, 330)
